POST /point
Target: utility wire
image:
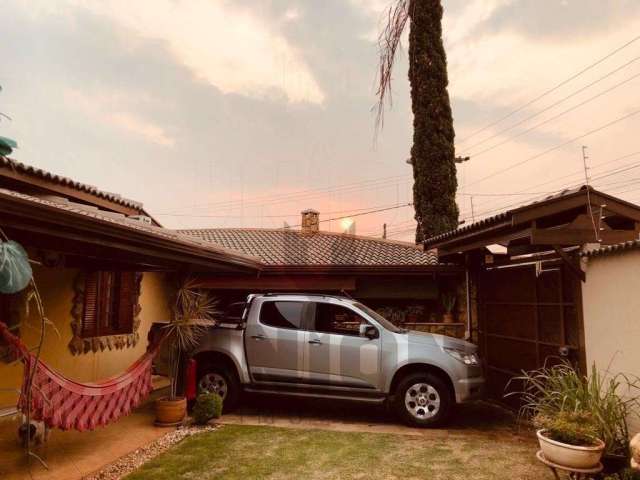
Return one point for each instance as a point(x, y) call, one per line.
point(363, 213)
point(551, 90)
point(571, 95)
point(555, 117)
point(267, 199)
point(579, 172)
point(556, 147)
point(283, 215)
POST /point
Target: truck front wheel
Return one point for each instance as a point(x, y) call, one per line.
point(218, 379)
point(423, 400)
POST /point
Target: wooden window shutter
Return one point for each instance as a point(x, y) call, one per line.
point(127, 301)
point(90, 312)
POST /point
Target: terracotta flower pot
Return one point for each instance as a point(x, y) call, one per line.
point(170, 412)
point(570, 456)
point(447, 318)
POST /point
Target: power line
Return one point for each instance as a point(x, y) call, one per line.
point(553, 89)
point(555, 117)
point(268, 199)
point(283, 215)
point(573, 94)
point(363, 213)
point(579, 172)
point(549, 150)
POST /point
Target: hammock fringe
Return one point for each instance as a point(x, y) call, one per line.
point(65, 404)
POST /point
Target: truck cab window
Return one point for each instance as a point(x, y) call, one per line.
point(338, 320)
point(282, 314)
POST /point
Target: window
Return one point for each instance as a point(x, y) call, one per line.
point(109, 303)
point(282, 314)
point(338, 320)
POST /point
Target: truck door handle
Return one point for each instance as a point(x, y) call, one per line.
point(258, 337)
point(315, 342)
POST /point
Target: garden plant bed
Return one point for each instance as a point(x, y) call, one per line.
point(138, 457)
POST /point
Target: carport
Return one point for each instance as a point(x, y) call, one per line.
point(526, 276)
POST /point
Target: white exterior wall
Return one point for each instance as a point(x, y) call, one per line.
point(611, 303)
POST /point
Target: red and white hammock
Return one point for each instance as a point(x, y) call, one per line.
point(63, 403)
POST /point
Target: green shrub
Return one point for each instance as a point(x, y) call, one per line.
point(626, 474)
point(207, 407)
point(573, 428)
point(609, 399)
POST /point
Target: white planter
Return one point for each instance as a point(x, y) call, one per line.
point(570, 456)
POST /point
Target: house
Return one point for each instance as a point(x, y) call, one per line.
point(104, 268)
point(537, 295)
point(405, 283)
point(611, 297)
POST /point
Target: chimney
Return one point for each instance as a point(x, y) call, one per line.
point(310, 221)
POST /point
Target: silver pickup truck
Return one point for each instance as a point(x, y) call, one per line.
point(333, 347)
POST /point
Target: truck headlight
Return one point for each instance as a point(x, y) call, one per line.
point(465, 357)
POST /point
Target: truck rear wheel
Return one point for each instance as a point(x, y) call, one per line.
point(218, 379)
point(423, 400)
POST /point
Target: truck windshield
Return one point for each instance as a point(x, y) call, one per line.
point(386, 324)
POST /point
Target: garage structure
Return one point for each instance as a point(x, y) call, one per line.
point(400, 280)
point(527, 305)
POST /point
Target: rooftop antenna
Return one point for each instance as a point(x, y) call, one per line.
point(384, 231)
point(586, 180)
point(473, 216)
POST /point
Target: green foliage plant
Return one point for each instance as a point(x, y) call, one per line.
point(610, 400)
point(208, 406)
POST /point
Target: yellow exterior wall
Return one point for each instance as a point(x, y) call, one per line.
point(611, 303)
point(56, 288)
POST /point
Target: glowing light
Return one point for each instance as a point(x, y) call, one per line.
point(346, 224)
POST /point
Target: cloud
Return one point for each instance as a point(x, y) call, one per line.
point(101, 108)
point(229, 48)
point(138, 126)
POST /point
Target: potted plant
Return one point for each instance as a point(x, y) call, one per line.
point(570, 439)
point(414, 313)
point(609, 400)
point(194, 312)
point(448, 300)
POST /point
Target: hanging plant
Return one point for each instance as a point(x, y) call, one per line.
point(15, 270)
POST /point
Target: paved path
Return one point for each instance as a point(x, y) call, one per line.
point(71, 455)
point(354, 417)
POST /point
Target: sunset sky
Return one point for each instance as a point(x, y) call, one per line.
point(243, 113)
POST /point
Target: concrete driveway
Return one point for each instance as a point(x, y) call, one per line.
point(477, 417)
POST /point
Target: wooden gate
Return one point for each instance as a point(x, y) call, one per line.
point(528, 314)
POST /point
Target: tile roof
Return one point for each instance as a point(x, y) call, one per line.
point(609, 249)
point(279, 247)
point(120, 221)
point(502, 216)
point(507, 215)
point(67, 182)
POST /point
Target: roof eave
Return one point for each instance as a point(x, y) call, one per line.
point(47, 219)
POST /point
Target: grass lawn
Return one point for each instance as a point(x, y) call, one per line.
point(248, 452)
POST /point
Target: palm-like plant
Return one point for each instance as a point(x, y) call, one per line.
point(194, 312)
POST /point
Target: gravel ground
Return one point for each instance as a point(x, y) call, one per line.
point(135, 459)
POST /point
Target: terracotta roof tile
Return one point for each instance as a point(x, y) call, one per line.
point(293, 248)
point(609, 249)
point(67, 182)
point(121, 221)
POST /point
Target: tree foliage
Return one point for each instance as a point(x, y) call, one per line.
point(433, 152)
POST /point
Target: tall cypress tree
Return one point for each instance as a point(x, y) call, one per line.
point(432, 153)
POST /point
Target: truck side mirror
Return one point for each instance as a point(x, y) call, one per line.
point(371, 332)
